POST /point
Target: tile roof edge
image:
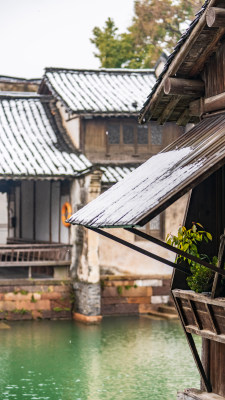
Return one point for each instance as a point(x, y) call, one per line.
point(99, 70)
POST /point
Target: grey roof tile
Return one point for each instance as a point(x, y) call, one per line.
point(103, 91)
point(32, 141)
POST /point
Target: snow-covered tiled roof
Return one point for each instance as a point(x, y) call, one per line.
point(161, 180)
point(103, 91)
point(115, 173)
point(33, 142)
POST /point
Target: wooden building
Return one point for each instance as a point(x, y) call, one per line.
point(189, 90)
point(99, 109)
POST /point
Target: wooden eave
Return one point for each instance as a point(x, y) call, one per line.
point(187, 63)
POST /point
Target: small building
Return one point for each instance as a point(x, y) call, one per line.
point(99, 109)
point(189, 90)
point(40, 172)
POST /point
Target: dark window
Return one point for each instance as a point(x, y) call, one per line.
point(154, 227)
point(113, 132)
point(128, 134)
point(155, 224)
point(142, 134)
point(156, 134)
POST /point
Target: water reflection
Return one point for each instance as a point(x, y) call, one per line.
point(123, 358)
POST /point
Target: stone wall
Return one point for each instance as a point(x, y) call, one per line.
point(35, 300)
point(130, 295)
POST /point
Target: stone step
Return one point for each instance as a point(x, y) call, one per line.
point(162, 315)
point(164, 308)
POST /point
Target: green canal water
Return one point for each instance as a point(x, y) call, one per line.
point(122, 358)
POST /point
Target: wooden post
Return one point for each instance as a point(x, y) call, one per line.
point(184, 87)
point(215, 17)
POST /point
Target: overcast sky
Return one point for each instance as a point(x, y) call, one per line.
point(54, 33)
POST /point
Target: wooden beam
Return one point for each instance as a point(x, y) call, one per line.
point(183, 118)
point(207, 105)
point(169, 109)
point(215, 17)
point(184, 87)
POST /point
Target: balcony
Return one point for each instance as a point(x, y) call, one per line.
point(34, 260)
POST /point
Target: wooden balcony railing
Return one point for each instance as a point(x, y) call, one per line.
point(35, 255)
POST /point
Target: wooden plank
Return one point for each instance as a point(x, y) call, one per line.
point(211, 318)
point(206, 334)
point(195, 314)
point(188, 294)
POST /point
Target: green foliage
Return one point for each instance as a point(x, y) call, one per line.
point(21, 311)
point(24, 292)
point(188, 240)
point(156, 27)
point(59, 309)
point(33, 300)
point(119, 290)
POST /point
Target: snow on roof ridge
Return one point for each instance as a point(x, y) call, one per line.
point(99, 70)
point(19, 95)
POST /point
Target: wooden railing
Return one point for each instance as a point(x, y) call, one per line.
point(35, 255)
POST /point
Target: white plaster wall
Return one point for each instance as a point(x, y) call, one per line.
point(42, 211)
point(27, 202)
point(3, 218)
point(117, 259)
point(55, 210)
point(17, 211)
point(72, 127)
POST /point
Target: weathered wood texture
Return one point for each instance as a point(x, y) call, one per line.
point(217, 367)
point(184, 87)
point(215, 17)
point(202, 315)
point(214, 73)
point(97, 148)
point(207, 105)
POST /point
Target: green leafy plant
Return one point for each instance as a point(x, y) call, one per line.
point(189, 240)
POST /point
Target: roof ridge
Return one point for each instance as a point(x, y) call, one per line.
point(99, 70)
point(24, 95)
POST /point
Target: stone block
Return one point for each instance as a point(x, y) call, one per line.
point(159, 299)
point(148, 282)
point(87, 298)
point(51, 296)
point(139, 300)
point(17, 296)
point(120, 309)
point(144, 308)
point(7, 305)
point(127, 292)
point(36, 314)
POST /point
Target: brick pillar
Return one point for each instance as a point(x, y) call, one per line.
point(85, 261)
